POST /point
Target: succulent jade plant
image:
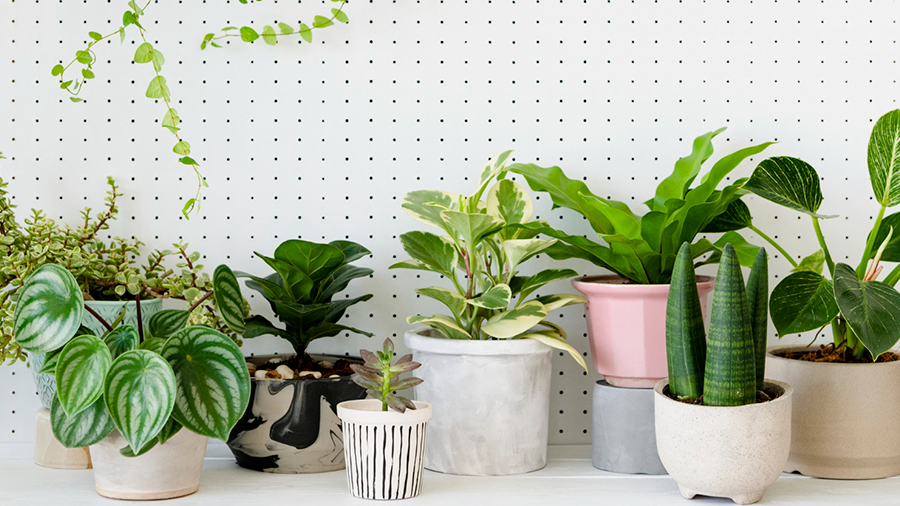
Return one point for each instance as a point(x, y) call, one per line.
point(381, 379)
point(862, 311)
point(641, 248)
point(307, 277)
point(483, 246)
point(729, 367)
point(145, 386)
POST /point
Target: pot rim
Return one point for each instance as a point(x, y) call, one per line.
point(368, 411)
point(612, 282)
point(422, 339)
point(288, 355)
point(785, 397)
point(771, 355)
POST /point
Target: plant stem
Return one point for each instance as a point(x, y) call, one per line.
point(140, 320)
point(237, 33)
point(773, 243)
point(870, 242)
point(98, 317)
point(893, 277)
point(194, 305)
point(823, 245)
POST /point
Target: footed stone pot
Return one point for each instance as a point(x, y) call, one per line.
point(491, 403)
point(624, 432)
point(831, 399)
point(734, 452)
point(291, 426)
point(165, 472)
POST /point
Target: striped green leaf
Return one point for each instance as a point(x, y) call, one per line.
point(83, 429)
point(49, 310)
point(80, 372)
point(685, 335)
point(884, 159)
point(870, 308)
point(50, 361)
point(730, 373)
point(213, 384)
point(758, 298)
point(167, 322)
point(515, 321)
point(229, 301)
point(128, 452)
point(139, 393)
point(802, 301)
point(169, 429)
point(154, 344)
point(789, 182)
point(121, 339)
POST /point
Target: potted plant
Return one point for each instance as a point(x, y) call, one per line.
point(721, 428)
point(290, 425)
point(850, 382)
point(625, 310)
point(128, 394)
point(496, 337)
point(384, 437)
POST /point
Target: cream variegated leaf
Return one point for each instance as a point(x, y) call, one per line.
point(426, 205)
point(443, 323)
point(553, 340)
point(556, 301)
point(509, 202)
point(519, 250)
point(497, 297)
point(516, 321)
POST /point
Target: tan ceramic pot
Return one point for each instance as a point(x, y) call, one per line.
point(734, 452)
point(845, 417)
point(165, 472)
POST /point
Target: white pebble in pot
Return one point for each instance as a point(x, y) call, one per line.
point(285, 372)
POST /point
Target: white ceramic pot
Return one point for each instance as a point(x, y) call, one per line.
point(491, 403)
point(165, 472)
point(734, 452)
point(384, 450)
point(832, 400)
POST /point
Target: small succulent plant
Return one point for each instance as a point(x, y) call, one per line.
point(381, 379)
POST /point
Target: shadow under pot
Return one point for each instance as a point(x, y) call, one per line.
point(292, 426)
point(627, 327)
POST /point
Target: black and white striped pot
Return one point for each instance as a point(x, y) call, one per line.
point(384, 450)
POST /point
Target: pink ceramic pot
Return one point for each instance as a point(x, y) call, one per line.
point(627, 327)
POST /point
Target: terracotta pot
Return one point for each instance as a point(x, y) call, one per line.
point(165, 472)
point(291, 426)
point(491, 403)
point(734, 452)
point(627, 327)
point(384, 450)
point(845, 416)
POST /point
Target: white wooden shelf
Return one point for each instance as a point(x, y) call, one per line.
point(568, 478)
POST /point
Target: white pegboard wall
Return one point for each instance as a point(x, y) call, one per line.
point(322, 140)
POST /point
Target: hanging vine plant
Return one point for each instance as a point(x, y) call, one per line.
point(270, 36)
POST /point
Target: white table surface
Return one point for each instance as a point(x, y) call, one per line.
point(568, 479)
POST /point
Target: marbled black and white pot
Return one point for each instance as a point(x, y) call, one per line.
point(384, 450)
point(291, 426)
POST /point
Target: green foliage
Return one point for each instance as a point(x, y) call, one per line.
point(642, 248)
point(381, 379)
point(685, 335)
point(271, 36)
point(860, 309)
point(758, 299)
point(307, 278)
point(480, 252)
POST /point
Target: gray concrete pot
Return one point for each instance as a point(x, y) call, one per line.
point(491, 403)
point(734, 452)
point(831, 399)
point(624, 433)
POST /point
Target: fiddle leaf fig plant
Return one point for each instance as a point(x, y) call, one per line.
point(860, 309)
point(483, 244)
point(641, 248)
point(196, 379)
point(381, 378)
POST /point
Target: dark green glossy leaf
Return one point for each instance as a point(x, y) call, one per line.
point(685, 334)
point(870, 308)
point(167, 322)
point(735, 217)
point(801, 302)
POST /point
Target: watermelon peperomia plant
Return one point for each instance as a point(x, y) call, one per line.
point(642, 248)
point(485, 242)
point(862, 311)
point(381, 378)
point(146, 386)
point(729, 367)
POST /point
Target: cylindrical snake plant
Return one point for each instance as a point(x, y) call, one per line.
point(685, 335)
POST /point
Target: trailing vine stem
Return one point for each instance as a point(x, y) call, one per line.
point(270, 36)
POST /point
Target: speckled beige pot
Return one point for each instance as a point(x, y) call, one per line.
point(734, 452)
point(834, 399)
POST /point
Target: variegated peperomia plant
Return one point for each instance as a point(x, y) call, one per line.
point(146, 386)
point(483, 245)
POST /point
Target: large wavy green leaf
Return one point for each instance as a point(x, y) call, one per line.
point(139, 394)
point(686, 170)
point(789, 182)
point(871, 308)
point(884, 159)
point(167, 322)
point(802, 301)
point(213, 387)
point(80, 372)
point(121, 339)
point(83, 429)
point(229, 301)
point(49, 310)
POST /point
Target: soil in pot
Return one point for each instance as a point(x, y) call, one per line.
point(769, 393)
point(828, 353)
point(297, 367)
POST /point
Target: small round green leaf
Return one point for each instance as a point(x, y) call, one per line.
point(248, 34)
point(144, 53)
point(49, 310)
point(84, 429)
point(57, 70)
point(80, 372)
point(305, 32)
